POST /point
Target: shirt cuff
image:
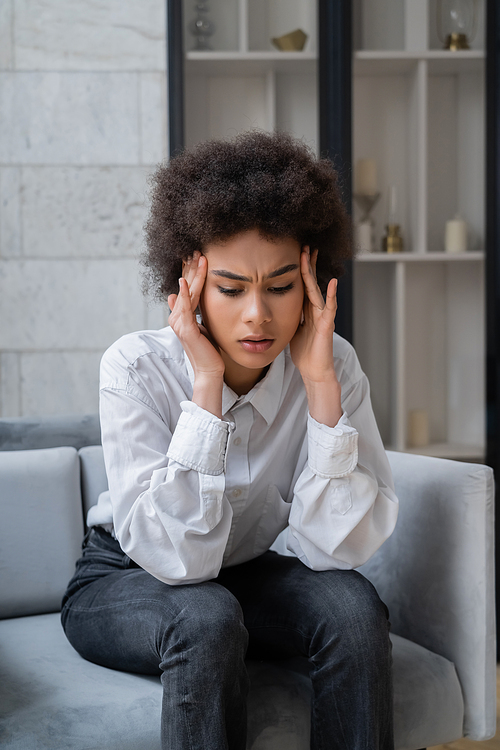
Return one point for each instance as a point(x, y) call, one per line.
point(199, 440)
point(332, 451)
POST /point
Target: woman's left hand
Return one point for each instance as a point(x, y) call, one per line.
point(312, 346)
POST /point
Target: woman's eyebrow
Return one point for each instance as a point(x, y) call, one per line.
point(236, 277)
point(284, 269)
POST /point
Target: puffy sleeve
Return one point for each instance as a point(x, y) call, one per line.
point(166, 487)
point(344, 506)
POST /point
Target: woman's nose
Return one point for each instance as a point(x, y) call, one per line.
point(256, 309)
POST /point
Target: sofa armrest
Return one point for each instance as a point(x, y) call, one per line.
point(436, 572)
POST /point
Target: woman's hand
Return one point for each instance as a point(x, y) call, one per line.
point(205, 358)
point(312, 346)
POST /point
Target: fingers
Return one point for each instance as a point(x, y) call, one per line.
point(331, 295)
point(198, 282)
point(171, 300)
point(194, 271)
point(313, 261)
point(308, 271)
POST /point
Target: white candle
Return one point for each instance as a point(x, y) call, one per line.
point(418, 428)
point(364, 236)
point(455, 237)
point(365, 177)
point(393, 205)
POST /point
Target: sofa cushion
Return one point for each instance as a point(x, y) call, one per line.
point(41, 528)
point(51, 699)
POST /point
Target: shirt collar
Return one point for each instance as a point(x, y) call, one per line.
point(265, 396)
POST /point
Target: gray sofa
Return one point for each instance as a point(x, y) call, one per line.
point(435, 573)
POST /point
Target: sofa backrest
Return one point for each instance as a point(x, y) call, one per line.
point(41, 528)
point(94, 479)
point(30, 433)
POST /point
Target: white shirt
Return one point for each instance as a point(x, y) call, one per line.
point(190, 493)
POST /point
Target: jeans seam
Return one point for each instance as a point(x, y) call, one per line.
point(77, 608)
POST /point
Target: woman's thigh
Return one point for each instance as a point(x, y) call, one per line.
point(118, 615)
point(289, 609)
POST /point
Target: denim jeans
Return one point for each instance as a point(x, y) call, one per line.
point(197, 636)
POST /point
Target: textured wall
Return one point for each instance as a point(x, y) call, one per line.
point(82, 122)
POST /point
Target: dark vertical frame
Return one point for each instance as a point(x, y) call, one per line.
point(493, 259)
point(175, 77)
point(335, 120)
point(335, 107)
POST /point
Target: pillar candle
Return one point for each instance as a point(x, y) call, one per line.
point(418, 428)
point(364, 236)
point(455, 237)
point(365, 177)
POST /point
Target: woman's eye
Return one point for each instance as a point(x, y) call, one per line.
point(234, 292)
point(281, 289)
point(228, 291)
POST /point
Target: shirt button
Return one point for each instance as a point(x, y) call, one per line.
point(237, 441)
point(236, 493)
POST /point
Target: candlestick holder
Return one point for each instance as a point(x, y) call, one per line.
point(456, 23)
point(366, 225)
point(392, 242)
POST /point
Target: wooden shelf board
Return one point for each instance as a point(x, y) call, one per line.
point(250, 63)
point(396, 62)
point(250, 55)
point(441, 257)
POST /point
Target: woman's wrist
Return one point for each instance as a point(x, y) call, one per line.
point(324, 400)
point(207, 393)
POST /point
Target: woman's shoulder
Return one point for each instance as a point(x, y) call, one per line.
point(346, 361)
point(139, 349)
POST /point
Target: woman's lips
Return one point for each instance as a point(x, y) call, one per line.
point(261, 345)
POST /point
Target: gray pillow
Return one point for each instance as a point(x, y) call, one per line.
point(41, 528)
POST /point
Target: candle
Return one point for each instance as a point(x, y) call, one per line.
point(364, 237)
point(393, 205)
point(418, 428)
point(455, 236)
point(365, 177)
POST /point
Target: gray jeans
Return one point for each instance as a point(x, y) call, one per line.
point(196, 638)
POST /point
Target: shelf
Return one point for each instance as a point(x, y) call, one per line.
point(379, 257)
point(250, 63)
point(389, 62)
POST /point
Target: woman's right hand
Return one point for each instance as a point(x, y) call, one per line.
point(205, 358)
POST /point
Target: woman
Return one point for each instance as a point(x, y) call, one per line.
point(220, 432)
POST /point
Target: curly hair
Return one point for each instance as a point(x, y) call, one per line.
point(258, 180)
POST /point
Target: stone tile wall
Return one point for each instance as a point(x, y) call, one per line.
point(83, 122)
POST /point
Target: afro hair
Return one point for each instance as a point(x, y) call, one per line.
point(265, 181)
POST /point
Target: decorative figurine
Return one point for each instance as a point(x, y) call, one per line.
point(202, 27)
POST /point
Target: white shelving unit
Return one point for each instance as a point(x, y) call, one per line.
point(245, 81)
point(419, 324)
point(419, 112)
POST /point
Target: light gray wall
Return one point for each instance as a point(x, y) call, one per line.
point(82, 124)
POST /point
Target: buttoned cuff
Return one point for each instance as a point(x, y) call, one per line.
point(332, 451)
point(200, 440)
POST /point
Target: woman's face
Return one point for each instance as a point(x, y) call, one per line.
point(251, 303)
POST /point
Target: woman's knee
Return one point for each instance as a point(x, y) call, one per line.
point(350, 610)
point(210, 621)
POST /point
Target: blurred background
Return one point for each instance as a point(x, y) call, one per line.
point(94, 93)
point(82, 124)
